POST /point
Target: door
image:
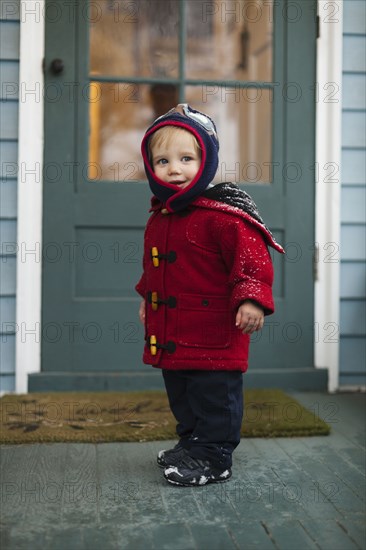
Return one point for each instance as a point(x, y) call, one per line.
point(112, 67)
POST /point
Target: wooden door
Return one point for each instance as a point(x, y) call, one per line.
point(251, 66)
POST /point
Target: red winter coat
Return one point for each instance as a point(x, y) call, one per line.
point(211, 257)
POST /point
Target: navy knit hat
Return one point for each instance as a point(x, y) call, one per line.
point(204, 130)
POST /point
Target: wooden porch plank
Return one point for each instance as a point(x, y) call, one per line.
point(21, 538)
point(356, 457)
point(351, 453)
point(133, 537)
point(214, 537)
point(345, 470)
point(328, 534)
point(80, 498)
point(15, 492)
point(250, 534)
point(214, 502)
point(104, 537)
point(281, 485)
point(129, 491)
point(290, 534)
point(172, 536)
point(298, 485)
point(67, 538)
point(45, 472)
point(327, 487)
point(356, 530)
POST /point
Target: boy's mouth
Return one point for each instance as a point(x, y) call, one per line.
point(176, 182)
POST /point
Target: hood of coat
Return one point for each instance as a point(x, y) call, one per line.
point(204, 130)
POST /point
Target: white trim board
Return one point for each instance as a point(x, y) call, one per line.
point(328, 188)
point(30, 180)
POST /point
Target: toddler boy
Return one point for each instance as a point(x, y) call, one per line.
point(206, 287)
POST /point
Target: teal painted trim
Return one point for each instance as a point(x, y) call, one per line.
point(353, 223)
point(182, 48)
point(354, 373)
point(351, 72)
point(356, 110)
point(279, 76)
point(14, 22)
point(353, 148)
point(354, 34)
point(187, 82)
point(304, 379)
point(345, 380)
point(352, 299)
point(346, 185)
point(111, 185)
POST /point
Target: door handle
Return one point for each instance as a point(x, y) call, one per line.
point(57, 66)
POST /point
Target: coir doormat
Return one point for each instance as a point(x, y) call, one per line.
point(137, 416)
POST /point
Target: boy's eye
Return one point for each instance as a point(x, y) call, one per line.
point(186, 159)
point(162, 161)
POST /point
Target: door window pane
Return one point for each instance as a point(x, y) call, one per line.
point(243, 118)
point(229, 40)
point(138, 38)
point(119, 115)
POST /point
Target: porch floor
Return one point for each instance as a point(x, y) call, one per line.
point(294, 494)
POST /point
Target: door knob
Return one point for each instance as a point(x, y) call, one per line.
point(57, 66)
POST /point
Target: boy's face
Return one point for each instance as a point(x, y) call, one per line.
point(177, 160)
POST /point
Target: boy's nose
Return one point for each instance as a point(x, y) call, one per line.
point(174, 168)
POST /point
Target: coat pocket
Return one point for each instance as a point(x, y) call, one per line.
point(204, 321)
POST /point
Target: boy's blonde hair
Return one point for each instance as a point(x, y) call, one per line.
point(163, 135)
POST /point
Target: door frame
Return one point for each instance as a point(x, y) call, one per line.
point(328, 190)
point(30, 195)
point(29, 223)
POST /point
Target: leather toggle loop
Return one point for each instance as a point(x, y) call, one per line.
point(170, 346)
point(170, 257)
point(155, 301)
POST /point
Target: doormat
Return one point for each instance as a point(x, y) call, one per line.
point(102, 417)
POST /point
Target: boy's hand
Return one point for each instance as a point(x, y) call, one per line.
point(249, 317)
point(142, 312)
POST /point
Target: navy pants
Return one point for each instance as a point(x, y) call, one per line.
point(208, 406)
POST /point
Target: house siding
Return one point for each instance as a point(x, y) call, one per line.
point(353, 218)
point(353, 198)
point(9, 100)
